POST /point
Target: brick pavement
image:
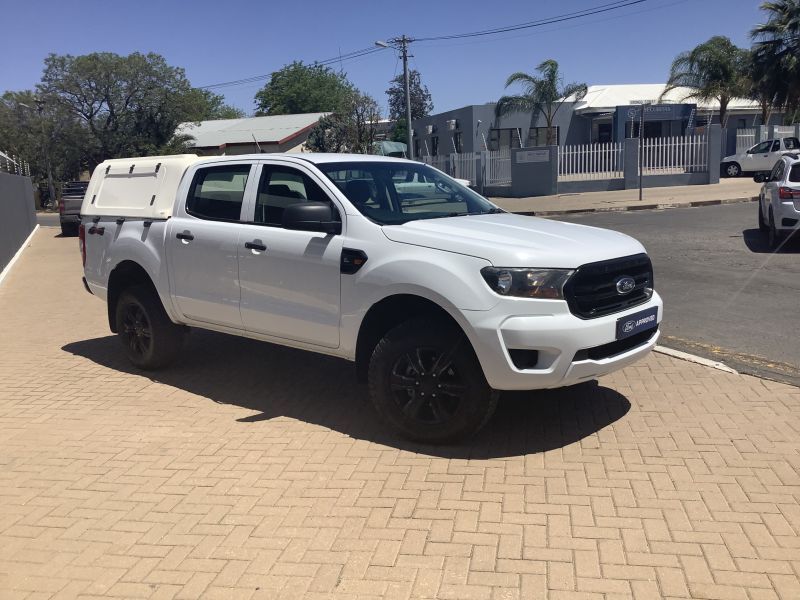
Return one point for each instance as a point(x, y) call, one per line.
point(251, 471)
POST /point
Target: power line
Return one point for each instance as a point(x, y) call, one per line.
point(328, 61)
point(570, 16)
point(539, 23)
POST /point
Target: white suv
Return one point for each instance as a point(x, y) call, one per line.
point(779, 200)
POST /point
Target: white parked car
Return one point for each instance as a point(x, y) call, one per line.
point(439, 297)
point(779, 200)
point(760, 158)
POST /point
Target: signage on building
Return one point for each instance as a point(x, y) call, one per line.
point(533, 156)
point(656, 112)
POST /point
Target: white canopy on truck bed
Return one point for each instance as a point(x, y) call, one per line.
point(142, 187)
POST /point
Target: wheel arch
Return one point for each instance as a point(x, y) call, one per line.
point(125, 275)
point(389, 312)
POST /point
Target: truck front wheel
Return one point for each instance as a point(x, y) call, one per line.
point(150, 339)
point(426, 382)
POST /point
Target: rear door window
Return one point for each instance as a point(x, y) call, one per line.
point(776, 145)
point(217, 192)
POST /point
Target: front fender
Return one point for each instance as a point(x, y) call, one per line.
point(452, 281)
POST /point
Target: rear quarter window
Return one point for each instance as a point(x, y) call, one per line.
point(794, 173)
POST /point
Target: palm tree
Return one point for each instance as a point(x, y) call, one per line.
point(778, 48)
point(714, 70)
point(543, 94)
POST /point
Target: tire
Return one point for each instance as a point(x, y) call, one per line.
point(732, 169)
point(774, 236)
point(422, 357)
point(150, 339)
point(762, 224)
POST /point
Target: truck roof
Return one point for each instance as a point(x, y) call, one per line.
point(145, 187)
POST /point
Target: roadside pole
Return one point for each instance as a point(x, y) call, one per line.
point(641, 146)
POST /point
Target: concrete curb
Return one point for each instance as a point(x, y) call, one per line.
point(17, 254)
point(695, 359)
point(631, 207)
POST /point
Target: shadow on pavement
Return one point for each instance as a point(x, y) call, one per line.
point(757, 241)
point(282, 382)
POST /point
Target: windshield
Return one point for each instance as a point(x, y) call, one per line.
point(392, 193)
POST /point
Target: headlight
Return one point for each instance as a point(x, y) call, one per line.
point(527, 283)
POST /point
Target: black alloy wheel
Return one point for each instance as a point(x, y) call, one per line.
point(136, 329)
point(426, 382)
point(427, 386)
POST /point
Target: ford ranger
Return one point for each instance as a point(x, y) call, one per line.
point(439, 297)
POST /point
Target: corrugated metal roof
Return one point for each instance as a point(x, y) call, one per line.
point(607, 97)
point(266, 130)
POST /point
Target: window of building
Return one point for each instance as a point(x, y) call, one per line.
point(217, 192)
point(537, 136)
point(281, 186)
point(741, 124)
point(435, 145)
point(503, 139)
point(416, 147)
point(458, 142)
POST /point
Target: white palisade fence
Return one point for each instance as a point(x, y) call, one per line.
point(498, 167)
point(745, 139)
point(784, 130)
point(464, 166)
point(582, 162)
point(674, 155)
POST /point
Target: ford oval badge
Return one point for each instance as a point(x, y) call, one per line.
point(625, 285)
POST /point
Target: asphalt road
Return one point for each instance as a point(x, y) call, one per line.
point(726, 297)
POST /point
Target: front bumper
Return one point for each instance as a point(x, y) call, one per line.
point(560, 338)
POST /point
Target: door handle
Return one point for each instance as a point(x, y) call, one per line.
point(184, 236)
point(255, 246)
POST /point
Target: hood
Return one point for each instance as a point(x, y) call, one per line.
point(509, 240)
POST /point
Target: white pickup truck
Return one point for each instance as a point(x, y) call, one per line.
point(439, 297)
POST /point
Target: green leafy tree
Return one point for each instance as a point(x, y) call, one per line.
point(210, 106)
point(542, 94)
point(421, 102)
point(352, 129)
point(299, 88)
point(44, 134)
point(713, 70)
point(762, 83)
point(130, 105)
point(777, 48)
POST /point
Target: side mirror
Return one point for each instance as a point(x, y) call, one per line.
point(760, 177)
point(311, 216)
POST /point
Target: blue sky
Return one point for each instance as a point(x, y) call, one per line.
point(223, 40)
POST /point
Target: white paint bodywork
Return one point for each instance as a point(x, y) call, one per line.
point(752, 162)
point(294, 294)
point(781, 208)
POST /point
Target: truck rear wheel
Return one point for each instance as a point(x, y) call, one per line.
point(426, 382)
point(151, 340)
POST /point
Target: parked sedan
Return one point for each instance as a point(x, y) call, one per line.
point(779, 200)
point(760, 158)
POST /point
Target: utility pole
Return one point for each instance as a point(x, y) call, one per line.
point(401, 43)
point(641, 146)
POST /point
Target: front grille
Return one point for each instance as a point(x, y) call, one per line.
point(592, 291)
point(614, 348)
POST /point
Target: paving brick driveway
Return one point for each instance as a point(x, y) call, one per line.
point(250, 471)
